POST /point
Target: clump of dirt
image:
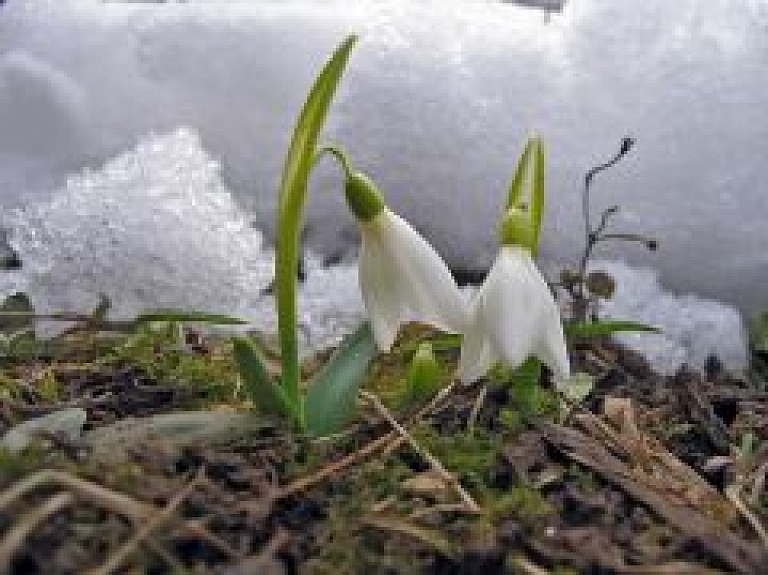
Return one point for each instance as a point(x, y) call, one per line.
point(648, 474)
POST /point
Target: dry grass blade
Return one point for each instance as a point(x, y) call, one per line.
point(653, 465)
point(733, 493)
point(431, 537)
point(331, 469)
point(119, 557)
point(526, 566)
point(429, 408)
point(388, 442)
point(112, 500)
point(119, 503)
point(15, 538)
point(435, 463)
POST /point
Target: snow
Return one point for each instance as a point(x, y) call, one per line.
point(693, 328)
point(154, 228)
point(436, 103)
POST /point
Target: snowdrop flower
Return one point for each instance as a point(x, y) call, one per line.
point(514, 315)
point(401, 276)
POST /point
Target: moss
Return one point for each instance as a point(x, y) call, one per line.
point(49, 387)
point(521, 502)
point(158, 352)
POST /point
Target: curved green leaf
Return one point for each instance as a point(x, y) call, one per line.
point(332, 393)
point(266, 396)
point(292, 195)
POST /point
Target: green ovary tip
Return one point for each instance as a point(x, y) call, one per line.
point(363, 196)
point(516, 228)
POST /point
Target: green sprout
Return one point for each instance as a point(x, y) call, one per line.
point(331, 394)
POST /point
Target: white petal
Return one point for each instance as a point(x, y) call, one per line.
point(476, 355)
point(549, 346)
point(377, 285)
point(510, 308)
point(403, 278)
point(551, 350)
point(428, 288)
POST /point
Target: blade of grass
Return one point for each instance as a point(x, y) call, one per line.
point(186, 316)
point(606, 327)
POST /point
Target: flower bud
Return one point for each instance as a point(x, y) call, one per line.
point(363, 196)
point(424, 373)
point(516, 228)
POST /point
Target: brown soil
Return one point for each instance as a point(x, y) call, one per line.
point(649, 475)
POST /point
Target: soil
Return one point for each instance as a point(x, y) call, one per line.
point(647, 475)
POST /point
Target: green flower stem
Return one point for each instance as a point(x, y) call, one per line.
point(340, 156)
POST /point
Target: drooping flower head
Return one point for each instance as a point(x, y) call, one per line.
point(514, 315)
point(401, 276)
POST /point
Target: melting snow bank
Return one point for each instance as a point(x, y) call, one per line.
point(156, 227)
point(437, 100)
point(693, 328)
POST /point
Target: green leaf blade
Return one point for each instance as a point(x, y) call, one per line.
point(181, 316)
point(607, 327)
point(258, 385)
point(332, 393)
point(291, 199)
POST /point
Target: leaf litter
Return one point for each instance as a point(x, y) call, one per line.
point(644, 474)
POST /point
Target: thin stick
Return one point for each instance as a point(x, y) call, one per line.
point(439, 508)
point(435, 463)
point(733, 494)
point(118, 502)
point(527, 567)
point(197, 529)
point(112, 500)
point(429, 408)
point(167, 513)
point(391, 441)
point(11, 542)
point(306, 482)
point(474, 414)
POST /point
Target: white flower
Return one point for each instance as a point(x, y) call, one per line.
point(514, 316)
point(402, 279)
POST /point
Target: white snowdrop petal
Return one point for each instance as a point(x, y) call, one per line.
point(509, 310)
point(377, 287)
point(428, 284)
point(516, 314)
point(476, 356)
point(402, 278)
point(551, 350)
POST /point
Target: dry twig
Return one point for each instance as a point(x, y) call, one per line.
point(389, 442)
point(11, 542)
point(118, 557)
point(435, 463)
